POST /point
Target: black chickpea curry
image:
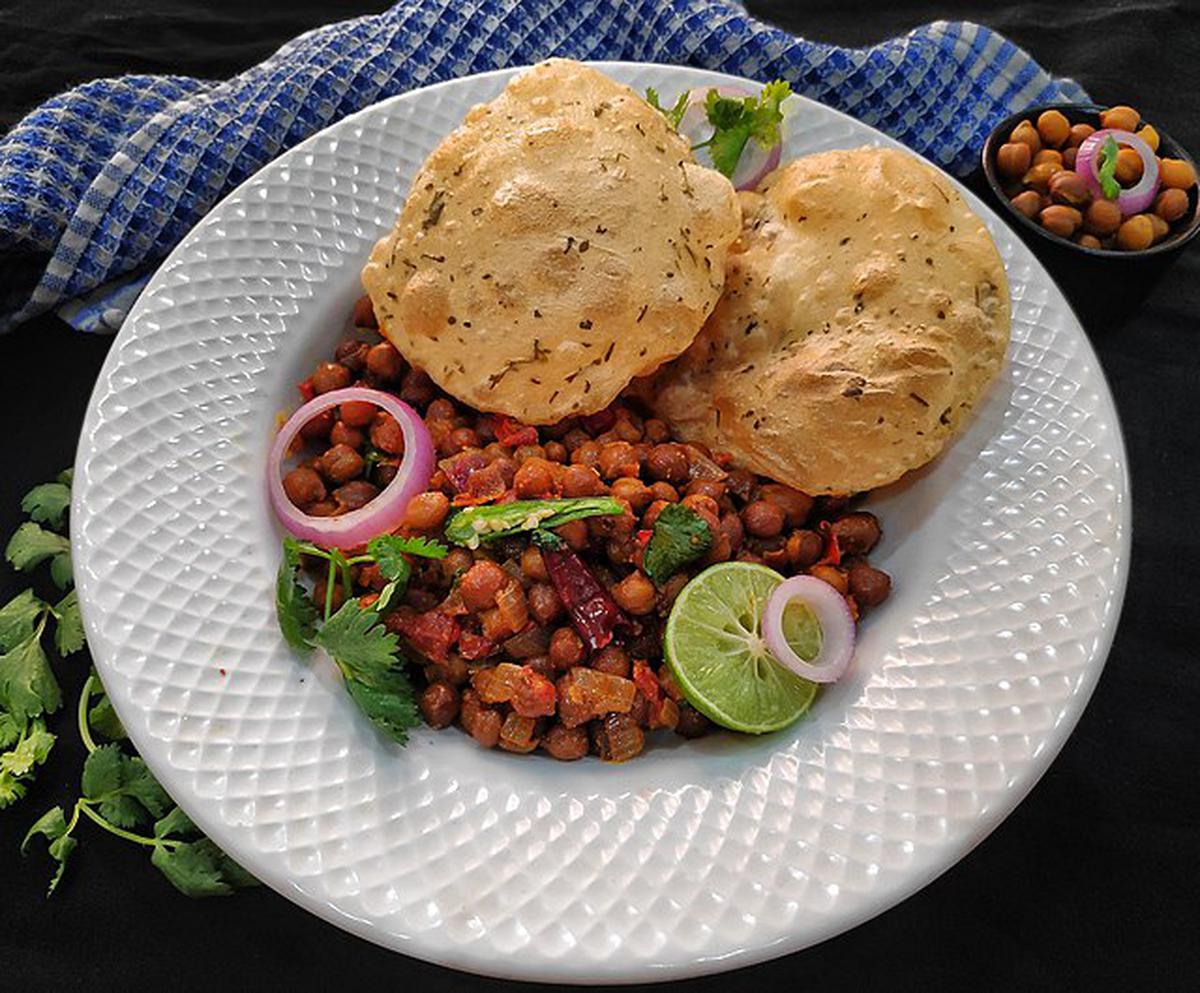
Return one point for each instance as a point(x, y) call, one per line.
point(583, 471)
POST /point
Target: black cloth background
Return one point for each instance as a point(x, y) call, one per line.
point(1089, 885)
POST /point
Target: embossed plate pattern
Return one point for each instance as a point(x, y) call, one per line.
point(1009, 556)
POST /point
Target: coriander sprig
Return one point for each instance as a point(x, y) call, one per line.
point(119, 794)
point(734, 120)
point(117, 791)
point(366, 653)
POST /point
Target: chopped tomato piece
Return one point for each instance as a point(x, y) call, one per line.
point(431, 633)
point(472, 646)
point(512, 433)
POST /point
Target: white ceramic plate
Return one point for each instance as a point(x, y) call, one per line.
point(1009, 556)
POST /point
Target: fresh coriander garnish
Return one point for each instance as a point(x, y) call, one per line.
point(673, 114)
point(1107, 171)
point(366, 653)
point(734, 120)
point(680, 536)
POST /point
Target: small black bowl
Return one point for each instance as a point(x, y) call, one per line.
point(1182, 230)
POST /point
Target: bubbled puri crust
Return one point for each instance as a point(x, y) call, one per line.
point(559, 243)
point(865, 313)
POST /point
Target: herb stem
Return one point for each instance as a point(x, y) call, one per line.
point(329, 590)
point(74, 816)
point(85, 730)
point(137, 839)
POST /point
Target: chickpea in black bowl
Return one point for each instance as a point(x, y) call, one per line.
point(1096, 181)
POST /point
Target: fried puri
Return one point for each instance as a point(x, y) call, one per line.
point(559, 243)
point(865, 313)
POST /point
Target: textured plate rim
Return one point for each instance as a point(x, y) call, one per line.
point(919, 874)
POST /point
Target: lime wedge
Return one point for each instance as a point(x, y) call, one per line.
point(714, 647)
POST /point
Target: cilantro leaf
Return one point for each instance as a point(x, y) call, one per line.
point(680, 537)
point(32, 544)
point(10, 729)
point(294, 606)
point(67, 476)
point(673, 114)
point(392, 707)
point(123, 786)
point(366, 653)
point(397, 544)
point(52, 825)
point(62, 571)
point(1107, 171)
point(48, 504)
point(736, 121)
point(27, 684)
point(177, 823)
point(393, 566)
point(103, 719)
point(362, 647)
point(30, 749)
point(200, 869)
point(68, 635)
point(18, 618)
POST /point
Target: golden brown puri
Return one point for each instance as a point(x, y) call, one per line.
point(865, 312)
point(559, 243)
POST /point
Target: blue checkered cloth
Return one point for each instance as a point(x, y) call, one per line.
point(98, 184)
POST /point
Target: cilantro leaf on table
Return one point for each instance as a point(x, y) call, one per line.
point(103, 719)
point(673, 114)
point(68, 634)
point(175, 823)
point(47, 503)
point(200, 869)
point(52, 825)
point(30, 749)
point(18, 618)
point(27, 684)
point(680, 537)
point(294, 606)
point(10, 729)
point(123, 787)
point(736, 121)
point(32, 544)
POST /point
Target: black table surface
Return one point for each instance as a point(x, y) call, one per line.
point(1089, 885)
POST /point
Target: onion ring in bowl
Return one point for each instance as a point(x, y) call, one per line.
point(834, 617)
point(385, 512)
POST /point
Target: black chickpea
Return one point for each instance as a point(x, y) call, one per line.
point(384, 362)
point(304, 486)
point(331, 376)
point(426, 511)
point(635, 593)
point(763, 519)
point(341, 464)
point(439, 704)
point(566, 648)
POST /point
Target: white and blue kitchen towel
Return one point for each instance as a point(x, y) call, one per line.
point(98, 184)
